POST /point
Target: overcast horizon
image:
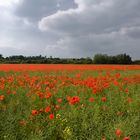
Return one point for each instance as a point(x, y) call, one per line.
point(69, 28)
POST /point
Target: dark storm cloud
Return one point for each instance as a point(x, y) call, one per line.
point(112, 24)
point(35, 9)
point(93, 17)
point(70, 28)
point(133, 32)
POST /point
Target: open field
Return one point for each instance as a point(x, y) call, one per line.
point(69, 102)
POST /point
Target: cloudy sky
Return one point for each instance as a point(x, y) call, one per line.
point(70, 28)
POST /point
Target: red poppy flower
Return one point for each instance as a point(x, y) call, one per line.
point(103, 98)
point(51, 116)
point(48, 95)
point(118, 133)
point(2, 97)
point(126, 90)
point(57, 106)
point(74, 100)
point(48, 109)
point(41, 109)
point(103, 138)
point(34, 112)
point(126, 138)
point(91, 99)
point(14, 92)
point(59, 100)
point(8, 92)
point(129, 99)
point(68, 98)
point(94, 91)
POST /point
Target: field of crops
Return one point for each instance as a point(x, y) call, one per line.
point(69, 102)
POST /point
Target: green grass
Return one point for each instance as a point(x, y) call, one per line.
point(83, 121)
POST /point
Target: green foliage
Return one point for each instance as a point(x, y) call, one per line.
point(98, 59)
point(136, 62)
point(118, 59)
point(20, 59)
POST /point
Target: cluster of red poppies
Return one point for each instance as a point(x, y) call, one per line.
point(43, 67)
point(46, 90)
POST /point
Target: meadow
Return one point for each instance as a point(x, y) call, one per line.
point(69, 102)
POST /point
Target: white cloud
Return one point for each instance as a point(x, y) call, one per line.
point(8, 3)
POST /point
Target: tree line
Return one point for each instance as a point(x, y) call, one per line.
point(97, 59)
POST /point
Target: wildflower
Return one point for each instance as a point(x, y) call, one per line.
point(116, 83)
point(103, 98)
point(64, 120)
point(51, 116)
point(74, 100)
point(91, 99)
point(59, 100)
point(8, 92)
point(94, 91)
point(126, 138)
point(2, 97)
point(58, 116)
point(57, 106)
point(14, 92)
point(48, 95)
point(68, 98)
point(41, 109)
point(118, 133)
point(67, 131)
point(117, 75)
point(121, 87)
point(34, 112)
point(129, 99)
point(48, 109)
point(39, 93)
point(126, 90)
point(29, 95)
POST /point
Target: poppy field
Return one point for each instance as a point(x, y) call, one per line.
point(69, 102)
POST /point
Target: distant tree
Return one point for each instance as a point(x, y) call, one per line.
point(1, 57)
point(98, 59)
point(118, 59)
point(123, 59)
point(101, 59)
point(136, 62)
point(88, 60)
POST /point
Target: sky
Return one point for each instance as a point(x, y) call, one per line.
point(69, 28)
